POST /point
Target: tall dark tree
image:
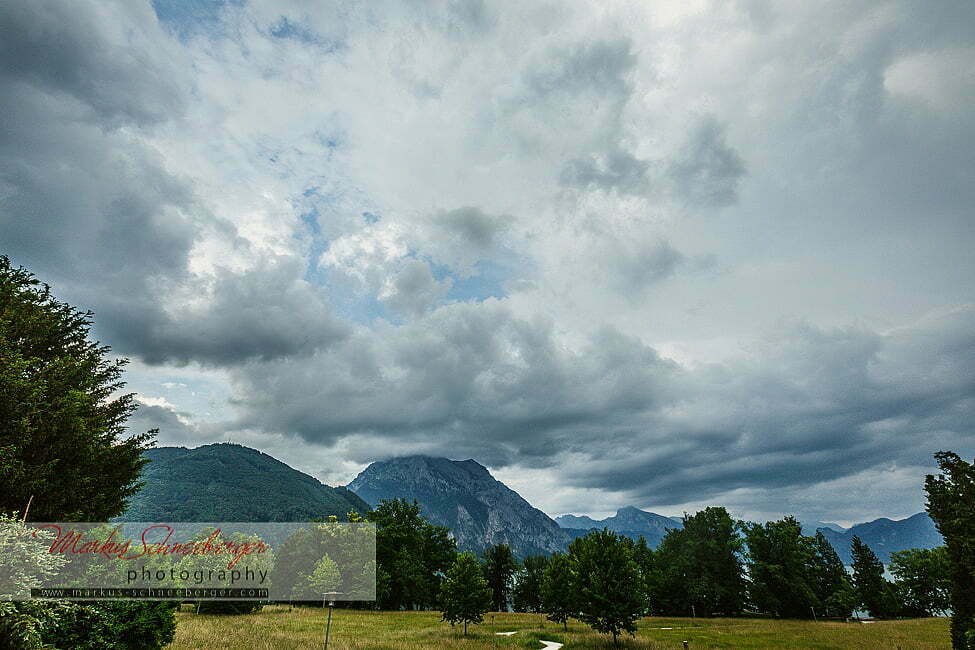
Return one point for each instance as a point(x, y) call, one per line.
point(782, 568)
point(700, 567)
point(874, 591)
point(65, 450)
point(836, 594)
point(558, 590)
point(63, 442)
point(412, 555)
point(923, 580)
point(951, 504)
point(607, 581)
point(527, 592)
point(499, 571)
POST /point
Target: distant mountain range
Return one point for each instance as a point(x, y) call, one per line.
point(629, 521)
point(463, 496)
point(227, 482)
point(884, 536)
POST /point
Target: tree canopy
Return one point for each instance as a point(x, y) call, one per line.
point(607, 582)
point(499, 570)
point(464, 595)
point(951, 504)
point(63, 442)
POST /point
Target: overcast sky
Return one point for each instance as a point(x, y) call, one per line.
point(648, 253)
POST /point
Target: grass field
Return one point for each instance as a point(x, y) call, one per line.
point(278, 628)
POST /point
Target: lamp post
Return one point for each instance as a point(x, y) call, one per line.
point(329, 597)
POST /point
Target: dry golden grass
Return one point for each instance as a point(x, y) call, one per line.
point(279, 628)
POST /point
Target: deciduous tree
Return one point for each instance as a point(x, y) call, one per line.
point(558, 592)
point(607, 582)
point(464, 595)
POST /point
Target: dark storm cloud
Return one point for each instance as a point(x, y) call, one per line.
point(92, 209)
point(640, 266)
point(811, 406)
point(263, 313)
point(707, 172)
point(475, 228)
point(148, 417)
point(74, 50)
point(617, 169)
point(808, 405)
point(599, 66)
point(466, 372)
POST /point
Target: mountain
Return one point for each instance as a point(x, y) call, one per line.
point(463, 496)
point(886, 535)
point(809, 529)
point(629, 521)
point(228, 482)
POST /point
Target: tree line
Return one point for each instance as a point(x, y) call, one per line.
point(713, 566)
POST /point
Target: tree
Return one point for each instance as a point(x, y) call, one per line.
point(62, 423)
point(875, 593)
point(527, 593)
point(951, 504)
point(412, 555)
point(465, 595)
point(645, 559)
point(558, 592)
point(699, 567)
point(782, 568)
point(325, 577)
point(64, 450)
point(607, 582)
point(499, 570)
point(836, 594)
point(922, 578)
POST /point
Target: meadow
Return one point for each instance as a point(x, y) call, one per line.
point(280, 628)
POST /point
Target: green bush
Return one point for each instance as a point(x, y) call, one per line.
point(137, 625)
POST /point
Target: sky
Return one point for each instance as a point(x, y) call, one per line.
point(668, 254)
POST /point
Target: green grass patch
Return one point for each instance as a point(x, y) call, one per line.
point(278, 627)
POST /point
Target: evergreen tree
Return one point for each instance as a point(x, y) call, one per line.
point(923, 579)
point(464, 594)
point(951, 504)
point(607, 580)
point(527, 592)
point(558, 590)
point(874, 592)
point(325, 577)
point(782, 568)
point(499, 570)
point(836, 594)
point(63, 443)
point(64, 449)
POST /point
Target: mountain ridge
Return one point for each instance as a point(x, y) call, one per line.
point(230, 482)
point(462, 495)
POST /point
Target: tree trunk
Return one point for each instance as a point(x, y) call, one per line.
point(465, 628)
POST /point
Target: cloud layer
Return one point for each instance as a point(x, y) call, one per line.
point(667, 255)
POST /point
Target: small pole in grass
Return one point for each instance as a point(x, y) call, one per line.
point(329, 597)
point(813, 610)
